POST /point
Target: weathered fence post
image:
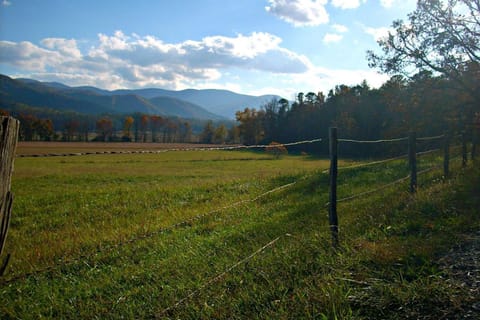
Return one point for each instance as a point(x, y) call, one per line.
point(332, 208)
point(8, 142)
point(446, 155)
point(464, 149)
point(412, 161)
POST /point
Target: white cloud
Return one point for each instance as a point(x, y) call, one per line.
point(254, 63)
point(340, 28)
point(260, 51)
point(119, 60)
point(332, 38)
point(324, 79)
point(300, 13)
point(6, 3)
point(27, 56)
point(378, 33)
point(408, 5)
point(347, 4)
point(67, 48)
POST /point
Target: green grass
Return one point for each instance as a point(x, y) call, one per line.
point(99, 237)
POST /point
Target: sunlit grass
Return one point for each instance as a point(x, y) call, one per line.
point(84, 210)
point(70, 204)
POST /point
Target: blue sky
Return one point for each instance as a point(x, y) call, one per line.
point(247, 46)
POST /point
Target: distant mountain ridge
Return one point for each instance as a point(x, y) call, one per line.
point(221, 102)
point(195, 104)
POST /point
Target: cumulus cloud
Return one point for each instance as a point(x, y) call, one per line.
point(323, 79)
point(340, 28)
point(300, 13)
point(6, 3)
point(332, 38)
point(378, 33)
point(347, 4)
point(408, 5)
point(66, 48)
point(121, 60)
point(27, 56)
point(261, 51)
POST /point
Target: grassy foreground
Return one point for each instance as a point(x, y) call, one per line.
point(157, 236)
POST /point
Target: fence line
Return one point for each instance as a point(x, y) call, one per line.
point(269, 244)
point(412, 160)
point(390, 184)
point(226, 148)
point(220, 275)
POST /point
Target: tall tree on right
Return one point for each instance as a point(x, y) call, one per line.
point(442, 37)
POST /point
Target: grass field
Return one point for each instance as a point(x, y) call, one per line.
point(198, 235)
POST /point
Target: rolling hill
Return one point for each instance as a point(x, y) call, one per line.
point(90, 100)
point(221, 102)
point(190, 103)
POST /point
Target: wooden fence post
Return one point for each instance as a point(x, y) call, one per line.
point(446, 155)
point(332, 208)
point(412, 161)
point(8, 142)
point(464, 149)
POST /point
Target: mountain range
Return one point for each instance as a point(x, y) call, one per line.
point(209, 104)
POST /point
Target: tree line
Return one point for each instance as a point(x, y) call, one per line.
point(38, 124)
point(425, 104)
point(434, 63)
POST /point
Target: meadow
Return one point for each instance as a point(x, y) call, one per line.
point(229, 234)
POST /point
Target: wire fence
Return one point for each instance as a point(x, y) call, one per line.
point(412, 164)
point(333, 168)
point(221, 275)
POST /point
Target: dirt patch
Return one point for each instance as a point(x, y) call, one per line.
point(29, 148)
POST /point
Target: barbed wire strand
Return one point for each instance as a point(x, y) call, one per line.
point(428, 152)
point(219, 276)
point(355, 166)
point(430, 138)
point(437, 150)
point(226, 148)
point(429, 169)
point(373, 141)
point(109, 248)
point(383, 187)
point(373, 163)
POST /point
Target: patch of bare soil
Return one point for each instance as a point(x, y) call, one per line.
point(37, 148)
